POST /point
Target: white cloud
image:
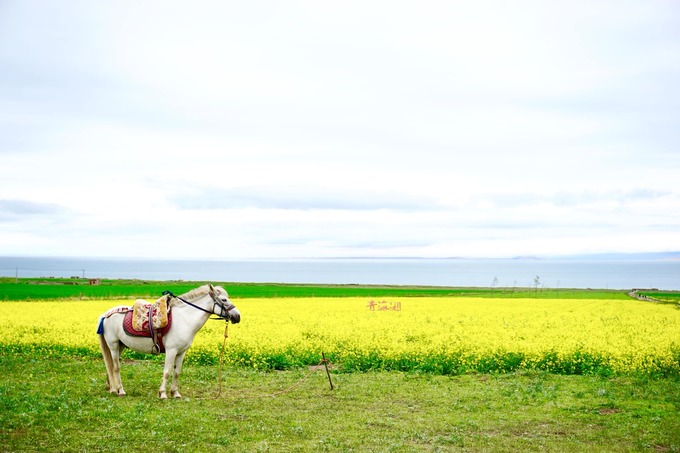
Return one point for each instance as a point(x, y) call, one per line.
point(308, 129)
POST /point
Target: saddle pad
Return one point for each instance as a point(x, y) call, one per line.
point(111, 312)
point(140, 315)
point(130, 330)
point(118, 309)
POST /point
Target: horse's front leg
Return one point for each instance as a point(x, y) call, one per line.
point(170, 356)
point(174, 388)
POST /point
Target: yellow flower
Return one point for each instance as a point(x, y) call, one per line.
point(446, 335)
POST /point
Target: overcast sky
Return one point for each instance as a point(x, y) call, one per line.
point(253, 129)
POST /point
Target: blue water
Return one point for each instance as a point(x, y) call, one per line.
point(552, 273)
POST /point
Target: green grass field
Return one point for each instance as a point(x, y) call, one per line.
point(61, 405)
point(54, 288)
point(672, 297)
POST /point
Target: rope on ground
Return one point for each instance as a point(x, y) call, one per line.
point(324, 361)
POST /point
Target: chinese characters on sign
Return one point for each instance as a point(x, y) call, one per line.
point(383, 305)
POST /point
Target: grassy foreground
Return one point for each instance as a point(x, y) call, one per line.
point(51, 400)
point(61, 405)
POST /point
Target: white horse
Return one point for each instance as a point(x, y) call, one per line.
point(190, 312)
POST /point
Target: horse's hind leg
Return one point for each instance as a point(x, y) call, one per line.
point(117, 385)
point(108, 362)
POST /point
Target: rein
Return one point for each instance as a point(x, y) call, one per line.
point(223, 314)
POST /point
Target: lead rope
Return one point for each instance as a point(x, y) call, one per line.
point(224, 342)
point(219, 375)
point(324, 361)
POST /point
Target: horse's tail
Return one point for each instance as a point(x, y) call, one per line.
point(106, 354)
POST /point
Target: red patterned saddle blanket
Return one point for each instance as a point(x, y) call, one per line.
point(146, 331)
point(144, 320)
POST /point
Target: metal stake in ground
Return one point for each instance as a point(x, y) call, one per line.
point(325, 364)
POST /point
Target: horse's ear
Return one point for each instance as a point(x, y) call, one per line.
point(212, 288)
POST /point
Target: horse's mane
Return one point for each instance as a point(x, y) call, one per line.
point(196, 293)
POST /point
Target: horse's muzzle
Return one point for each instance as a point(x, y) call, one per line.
point(234, 316)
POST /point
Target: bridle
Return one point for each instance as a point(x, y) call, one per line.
point(224, 305)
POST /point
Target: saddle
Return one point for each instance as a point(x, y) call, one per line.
point(146, 316)
point(149, 320)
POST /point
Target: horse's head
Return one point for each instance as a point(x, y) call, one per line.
point(223, 306)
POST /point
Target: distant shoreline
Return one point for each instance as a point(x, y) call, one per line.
point(671, 255)
point(638, 271)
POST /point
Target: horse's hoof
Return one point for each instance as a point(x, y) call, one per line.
point(176, 395)
point(163, 395)
point(122, 393)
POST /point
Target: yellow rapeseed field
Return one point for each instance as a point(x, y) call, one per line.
point(442, 335)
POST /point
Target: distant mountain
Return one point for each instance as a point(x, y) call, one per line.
point(624, 256)
point(591, 256)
